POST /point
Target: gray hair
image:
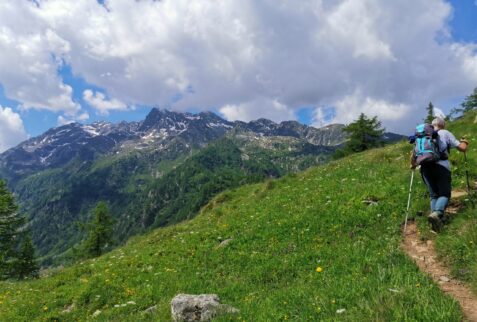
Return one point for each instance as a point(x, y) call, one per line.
point(439, 122)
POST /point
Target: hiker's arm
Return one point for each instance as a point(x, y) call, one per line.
point(461, 145)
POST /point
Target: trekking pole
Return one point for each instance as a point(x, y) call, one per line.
point(469, 193)
point(409, 200)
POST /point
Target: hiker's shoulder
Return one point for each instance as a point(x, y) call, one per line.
point(446, 134)
point(448, 137)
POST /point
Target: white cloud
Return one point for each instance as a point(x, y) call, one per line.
point(270, 109)
point(12, 131)
point(30, 56)
point(439, 113)
point(391, 114)
point(67, 119)
point(391, 57)
point(98, 101)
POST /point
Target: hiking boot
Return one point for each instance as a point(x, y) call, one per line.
point(435, 221)
point(445, 219)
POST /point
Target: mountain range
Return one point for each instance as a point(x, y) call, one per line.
point(151, 173)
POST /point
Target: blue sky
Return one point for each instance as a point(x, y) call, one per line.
point(464, 23)
point(224, 70)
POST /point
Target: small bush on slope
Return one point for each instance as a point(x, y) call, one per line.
point(302, 248)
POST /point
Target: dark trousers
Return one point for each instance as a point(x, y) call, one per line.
point(438, 180)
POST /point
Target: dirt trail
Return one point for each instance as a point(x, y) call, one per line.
point(424, 255)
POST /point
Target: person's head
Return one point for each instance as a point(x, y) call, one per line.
point(439, 123)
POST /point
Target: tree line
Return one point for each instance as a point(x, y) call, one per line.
point(17, 253)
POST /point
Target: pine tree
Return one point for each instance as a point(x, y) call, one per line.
point(364, 133)
point(470, 102)
point(26, 265)
point(100, 231)
point(10, 224)
point(430, 113)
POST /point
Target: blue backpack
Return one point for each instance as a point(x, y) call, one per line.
point(426, 148)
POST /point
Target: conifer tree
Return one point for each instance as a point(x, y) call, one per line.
point(470, 102)
point(364, 133)
point(26, 265)
point(10, 223)
point(100, 231)
point(430, 113)
point(17, 253)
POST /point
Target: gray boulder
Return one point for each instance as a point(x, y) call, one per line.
point(204, 307)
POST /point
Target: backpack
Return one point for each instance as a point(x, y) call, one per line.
point(426, 149)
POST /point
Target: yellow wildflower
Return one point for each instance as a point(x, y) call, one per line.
point(319, 269)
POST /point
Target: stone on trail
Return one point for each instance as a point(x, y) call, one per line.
point(203, 307)
point(444, 279)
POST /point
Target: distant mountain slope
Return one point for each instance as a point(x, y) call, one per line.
point(307, 247)
point(154, 172)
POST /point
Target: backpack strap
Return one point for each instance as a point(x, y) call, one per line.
point(444, 155)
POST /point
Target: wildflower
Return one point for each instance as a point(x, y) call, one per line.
point(128, 291)
point(45, 308)
point(319, 269)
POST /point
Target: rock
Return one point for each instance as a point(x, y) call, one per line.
point(69, 308)
point(444, 279)
point(203, 307)
point(225, 243)
point(370, 202)
point(151, 310)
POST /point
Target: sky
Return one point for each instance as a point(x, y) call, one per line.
point(315, 61)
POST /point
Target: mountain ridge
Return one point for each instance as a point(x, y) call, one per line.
point(61, 144)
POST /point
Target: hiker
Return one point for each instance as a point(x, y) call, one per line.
point(437, 175)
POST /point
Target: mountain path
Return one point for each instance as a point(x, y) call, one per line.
point(423, 253)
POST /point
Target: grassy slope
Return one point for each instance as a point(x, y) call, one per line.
point(282, 231)
point(457, 245)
